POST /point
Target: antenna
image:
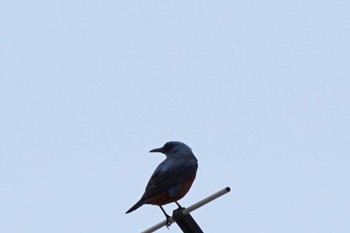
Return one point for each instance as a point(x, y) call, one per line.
point(183, 218)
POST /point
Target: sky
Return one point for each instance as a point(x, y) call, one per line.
point(258, 89)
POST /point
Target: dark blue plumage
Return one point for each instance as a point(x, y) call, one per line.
point(172, 179)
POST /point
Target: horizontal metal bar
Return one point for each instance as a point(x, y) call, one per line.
point(190, 209)
point(206, 200)
point(157, 226)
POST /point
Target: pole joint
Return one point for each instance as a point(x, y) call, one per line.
point(185, 221)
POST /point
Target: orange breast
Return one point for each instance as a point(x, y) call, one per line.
point(163, 197)
point(159, 199)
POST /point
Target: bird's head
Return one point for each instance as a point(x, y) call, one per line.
point(174, 148)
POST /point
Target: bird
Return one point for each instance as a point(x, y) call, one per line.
point(172, 179)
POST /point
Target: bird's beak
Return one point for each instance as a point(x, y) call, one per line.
point(157, 150)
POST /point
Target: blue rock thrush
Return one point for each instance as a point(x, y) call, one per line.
point(172, 179)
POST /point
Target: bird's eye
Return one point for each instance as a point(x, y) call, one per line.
point(168, 146)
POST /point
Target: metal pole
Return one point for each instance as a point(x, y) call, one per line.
point(186, 211)
point(206, 200)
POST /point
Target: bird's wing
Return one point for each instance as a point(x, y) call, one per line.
point(169, 174)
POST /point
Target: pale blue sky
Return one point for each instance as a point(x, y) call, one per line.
point(258, 89)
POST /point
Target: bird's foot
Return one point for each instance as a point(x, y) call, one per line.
point(168, 221)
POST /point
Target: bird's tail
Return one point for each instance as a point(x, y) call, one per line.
point(137, 205)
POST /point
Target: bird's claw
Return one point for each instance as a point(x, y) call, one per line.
point(168, 221)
